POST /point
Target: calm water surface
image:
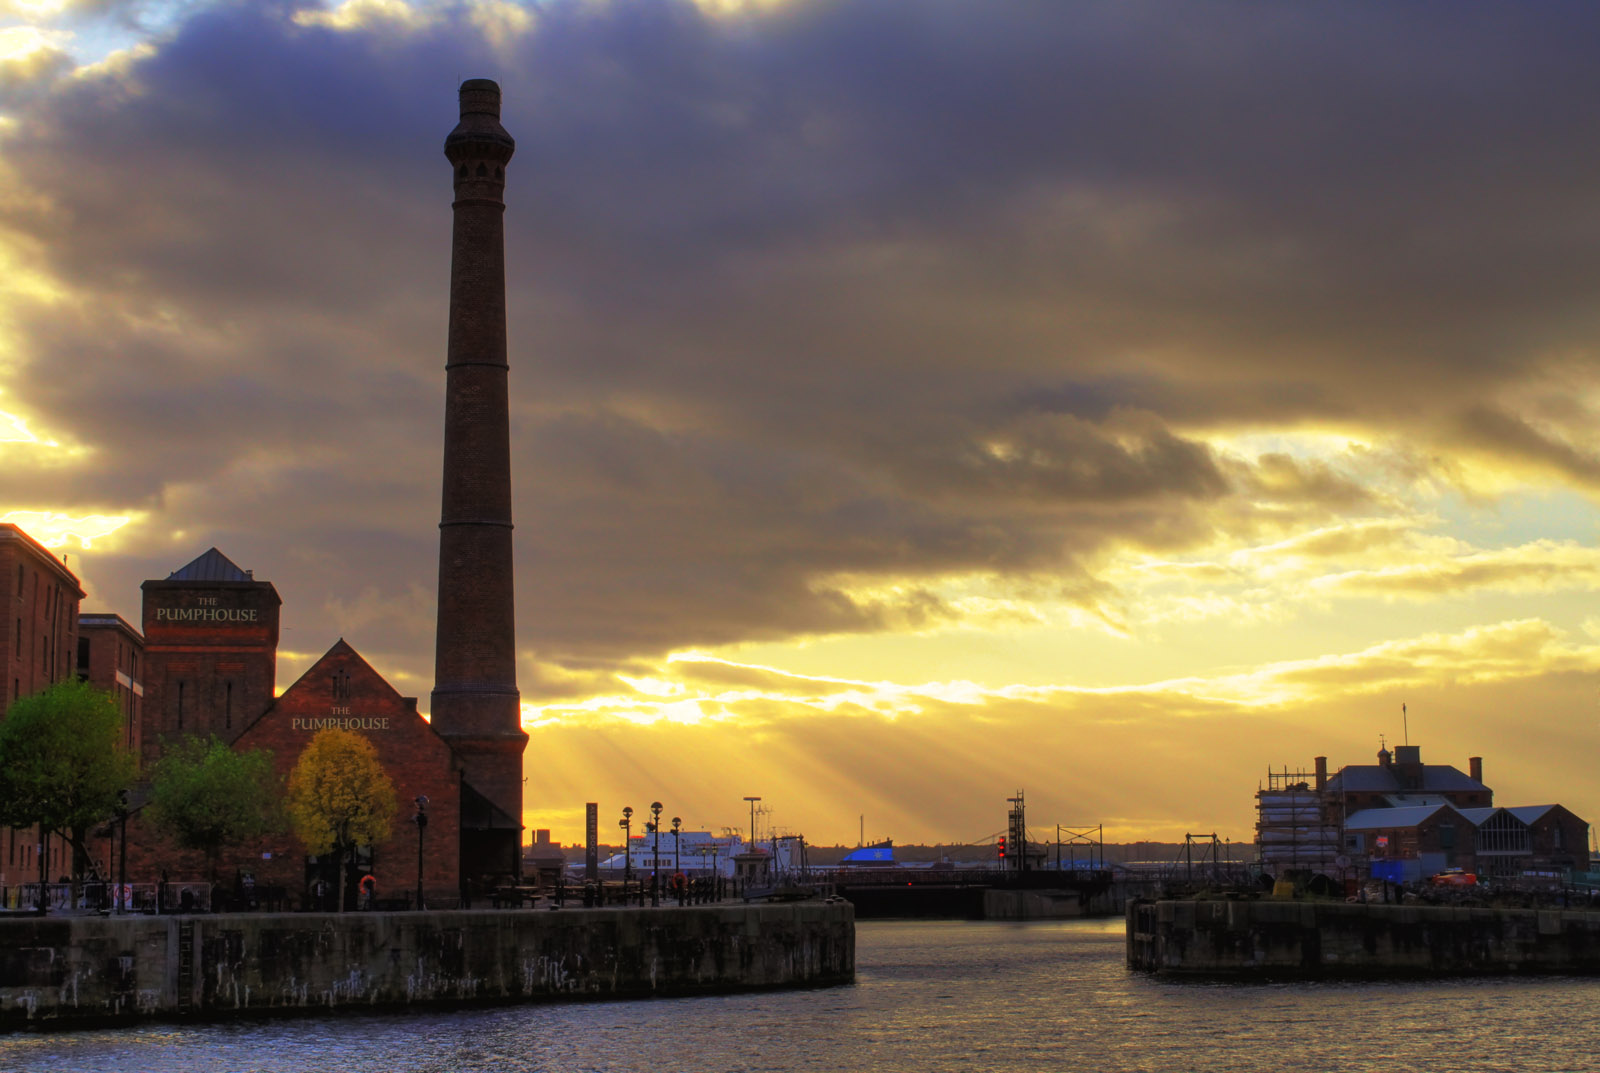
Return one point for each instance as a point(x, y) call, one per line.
point(934, 996)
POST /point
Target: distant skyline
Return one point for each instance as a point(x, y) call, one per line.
point(913, 401)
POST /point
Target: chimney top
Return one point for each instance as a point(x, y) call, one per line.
point(480, 96)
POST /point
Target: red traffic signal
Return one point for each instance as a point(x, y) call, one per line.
point(1002, 847)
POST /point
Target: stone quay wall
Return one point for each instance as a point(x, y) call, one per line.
point(1317, 940)
point(70, 972)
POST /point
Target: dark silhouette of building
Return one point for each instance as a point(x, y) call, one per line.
point(1404, 820)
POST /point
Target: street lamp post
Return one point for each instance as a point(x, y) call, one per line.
point(421, 820)
point(655, 897)
point(677, 861)
point(655, 862)
point(626, 823)
point(122, 853)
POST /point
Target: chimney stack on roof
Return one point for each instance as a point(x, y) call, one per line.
point(1475, 768)
point(1322, 773)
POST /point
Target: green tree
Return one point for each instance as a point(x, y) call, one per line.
point(62, 763)
point(340, 797)
point(204, 796)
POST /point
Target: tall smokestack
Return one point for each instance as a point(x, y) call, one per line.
point(1322, 773)
point(1475, 765)
point(475, 706)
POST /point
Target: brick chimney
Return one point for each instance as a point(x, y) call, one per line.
point(1475, 767)
point(475, 705)
point(1322, 773)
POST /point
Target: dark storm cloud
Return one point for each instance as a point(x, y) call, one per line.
point(875, 288)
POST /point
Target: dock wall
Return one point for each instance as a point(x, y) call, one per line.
point(1263, 938)
point(1033, 905)
point(67, 972)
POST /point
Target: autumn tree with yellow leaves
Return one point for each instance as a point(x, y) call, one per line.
point(340, 797)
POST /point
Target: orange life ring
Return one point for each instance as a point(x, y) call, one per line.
point(368, 884)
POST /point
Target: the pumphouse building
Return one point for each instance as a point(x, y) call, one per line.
point(210, 639)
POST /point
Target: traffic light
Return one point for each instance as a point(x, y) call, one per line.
point(1002, 847)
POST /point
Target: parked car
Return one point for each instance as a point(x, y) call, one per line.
point(1454, 877)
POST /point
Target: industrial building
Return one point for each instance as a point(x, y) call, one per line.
point(1404, 820)
point(204, 661)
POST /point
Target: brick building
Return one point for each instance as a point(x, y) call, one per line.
point(111, 657)
point(210, 657)
point(211, 651)
point(38, 647)
point(1405, 820)
point(342, 690)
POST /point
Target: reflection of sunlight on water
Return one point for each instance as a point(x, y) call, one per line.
point(930, 995)
point(53, 530)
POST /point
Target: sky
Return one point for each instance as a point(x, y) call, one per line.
point(913, 401)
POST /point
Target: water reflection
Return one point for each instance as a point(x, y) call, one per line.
point(1005, 998)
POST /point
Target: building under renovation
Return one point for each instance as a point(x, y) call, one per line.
point(1403, 820)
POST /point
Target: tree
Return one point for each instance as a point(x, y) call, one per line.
point(204, 796)
point(62, 763)
point(340, 797)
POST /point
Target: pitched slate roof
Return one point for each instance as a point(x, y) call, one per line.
point(212, 566)
point(1371, 819)
point(1529, 813)
point(1436, 778)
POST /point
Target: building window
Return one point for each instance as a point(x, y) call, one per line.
point(1503, 833)
point(180, 704)
point(227, 707)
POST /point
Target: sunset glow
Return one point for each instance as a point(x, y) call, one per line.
point(910, 403)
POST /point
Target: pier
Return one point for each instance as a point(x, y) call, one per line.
point(1250, 939)
point(78, 971)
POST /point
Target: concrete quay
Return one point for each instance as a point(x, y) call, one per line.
point(60, 972)
point(1255, 939)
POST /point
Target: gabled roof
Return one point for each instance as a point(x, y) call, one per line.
point(1529, 813)
point(1373, 819)
point(1436, 778)
point(212, 566)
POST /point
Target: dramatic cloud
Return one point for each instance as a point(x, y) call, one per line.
point(1036, 346)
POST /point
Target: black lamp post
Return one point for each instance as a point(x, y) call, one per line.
point(677, 861)
point(122, 854)
point(626, 823)
point(421, 820)
point(655, 870)
point(650, 829)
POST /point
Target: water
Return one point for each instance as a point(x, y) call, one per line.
point(930, 996)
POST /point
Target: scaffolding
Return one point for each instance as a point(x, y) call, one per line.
point(1296, 830)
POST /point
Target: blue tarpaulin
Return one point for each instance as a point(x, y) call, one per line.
point(1393, 871)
